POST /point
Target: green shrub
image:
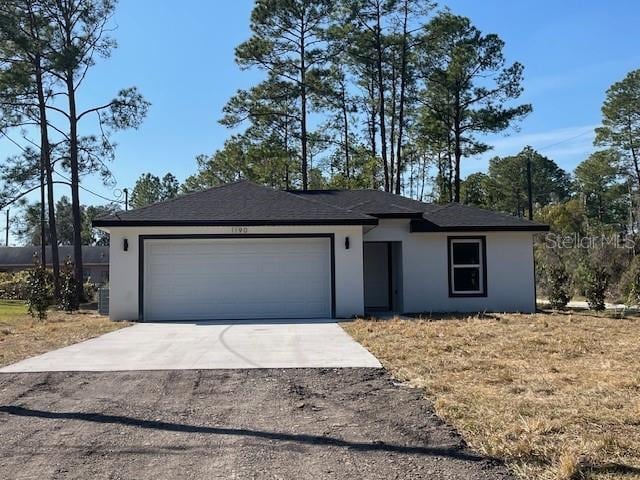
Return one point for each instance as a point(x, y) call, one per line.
point(552, 277)
point(13, 285)
point(69, 300)
point(597, 288)
point(595, 281)
point(38, 287)
point(90, 291)
point(629, 286)
point(557, 284)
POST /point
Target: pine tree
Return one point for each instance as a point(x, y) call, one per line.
point(288, 43)
point(620, 128)
point(38, 290)
point(468, 86)
point(81, 36)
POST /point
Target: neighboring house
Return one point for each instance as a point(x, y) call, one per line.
point(95, 259)
point(243, 251)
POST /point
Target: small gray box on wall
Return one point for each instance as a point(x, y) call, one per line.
point(103, 301)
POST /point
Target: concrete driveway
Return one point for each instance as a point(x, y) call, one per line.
point(208, 345)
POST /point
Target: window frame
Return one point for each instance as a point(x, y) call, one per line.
point(481, 240)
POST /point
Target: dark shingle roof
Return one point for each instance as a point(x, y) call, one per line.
point(23, 256)
point(456, 217)
point(240, 203)
point(246, 203)
point(427, 217)
point(370, 202)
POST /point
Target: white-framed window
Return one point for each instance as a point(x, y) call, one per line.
point(467, 266)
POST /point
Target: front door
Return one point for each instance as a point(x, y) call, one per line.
point(377, 274)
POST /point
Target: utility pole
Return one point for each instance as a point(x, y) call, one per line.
point(529, 185)
point(6, 239)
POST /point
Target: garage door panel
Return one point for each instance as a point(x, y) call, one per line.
point(221, 291)
point(237, 278)
point(248, 264)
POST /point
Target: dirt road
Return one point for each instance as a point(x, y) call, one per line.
point(227, 424)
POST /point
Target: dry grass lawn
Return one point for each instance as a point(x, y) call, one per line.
point(555, 395)
point(22, 337)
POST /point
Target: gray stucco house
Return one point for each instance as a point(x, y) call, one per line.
point(242, 251)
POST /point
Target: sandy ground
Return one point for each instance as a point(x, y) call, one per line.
point(231, 424)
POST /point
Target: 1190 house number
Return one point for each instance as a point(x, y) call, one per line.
point(239, 230)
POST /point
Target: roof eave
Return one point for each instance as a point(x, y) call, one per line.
point(29, 265)
point(415, 215)
point(231, 223)
point(423, 226)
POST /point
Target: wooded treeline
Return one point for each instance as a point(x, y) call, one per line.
point(592, 249)
point(364, 94)
point(600, 217)
point(386, 94)
point(600, 195)
point(47, 48)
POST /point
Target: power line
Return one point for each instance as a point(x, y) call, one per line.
point(546, 147)
point(113, 200)
point(63, 176)
point(22, 149)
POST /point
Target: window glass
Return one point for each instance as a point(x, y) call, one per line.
point(466, 253)
point(467, 266)
point(466, 279)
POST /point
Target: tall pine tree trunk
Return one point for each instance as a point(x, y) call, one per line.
point(75, 187)
point(634, 156)
point(392, 128)
point(449, 173)
point(45, 152)
point(345, 128)
point(43, 222)
point(457, 138)
point(287, 154)
point(424, 178)
point(46, 174)
point(303, 107)
point(303, 136)
point(456, 177)
point(403, 84)
point(67, 26)
point(373, 130)
point(36, 60)
point(372, 119)
point(381, 107)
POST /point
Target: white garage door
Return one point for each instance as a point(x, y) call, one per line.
point(237, 278)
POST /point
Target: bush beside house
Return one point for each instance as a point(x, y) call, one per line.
point(38, 289)
point(605, 273)
point(34, 286)
point(13, 285)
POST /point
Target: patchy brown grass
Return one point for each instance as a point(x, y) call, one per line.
point(22, 337)
point(555, 395)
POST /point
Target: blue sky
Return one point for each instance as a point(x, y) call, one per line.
point(181, 58)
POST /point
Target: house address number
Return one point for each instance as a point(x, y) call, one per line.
point(239, 229)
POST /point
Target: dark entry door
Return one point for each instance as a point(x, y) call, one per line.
point(377, 274)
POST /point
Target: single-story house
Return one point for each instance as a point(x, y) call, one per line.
point(245, 251)
point(95, 259)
